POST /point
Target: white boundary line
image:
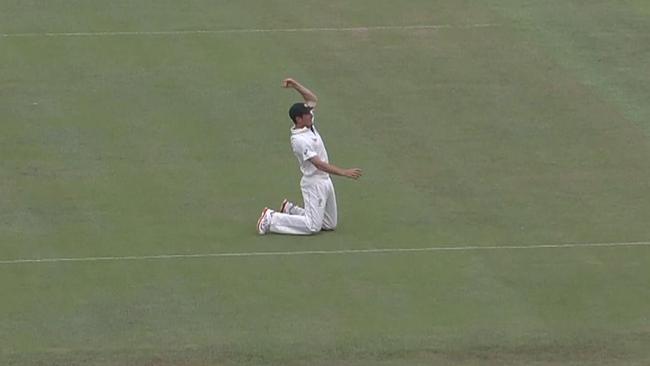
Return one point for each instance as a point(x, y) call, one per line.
point(248, 30)
point(328, 252)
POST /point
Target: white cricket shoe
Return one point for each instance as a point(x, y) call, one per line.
point(286, 206)
point(264, 222)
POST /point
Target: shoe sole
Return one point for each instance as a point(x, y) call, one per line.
point(284, 205)
point(259, 221)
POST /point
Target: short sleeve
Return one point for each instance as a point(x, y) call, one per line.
point(302, 149)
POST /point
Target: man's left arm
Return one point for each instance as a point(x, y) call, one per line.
point(353, 173)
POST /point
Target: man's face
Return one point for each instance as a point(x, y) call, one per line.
point(305, 120)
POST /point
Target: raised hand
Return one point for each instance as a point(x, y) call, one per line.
point(289, 83)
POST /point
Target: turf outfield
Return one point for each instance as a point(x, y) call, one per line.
point(505, 123)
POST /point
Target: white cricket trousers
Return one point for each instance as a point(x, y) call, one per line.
point(319, 212)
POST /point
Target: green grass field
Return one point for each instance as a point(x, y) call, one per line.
point(513, 123)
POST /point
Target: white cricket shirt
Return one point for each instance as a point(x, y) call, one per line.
point(307, 143)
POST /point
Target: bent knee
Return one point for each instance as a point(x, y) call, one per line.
point(313, 229)
point(314, 226)
point(329, 227)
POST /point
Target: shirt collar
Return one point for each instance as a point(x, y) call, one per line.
point(296, 131)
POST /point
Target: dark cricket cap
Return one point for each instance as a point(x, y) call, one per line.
point(299, 109)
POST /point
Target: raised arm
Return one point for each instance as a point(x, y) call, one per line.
point(307, 94)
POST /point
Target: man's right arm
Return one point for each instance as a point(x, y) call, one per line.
point(306, 94)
